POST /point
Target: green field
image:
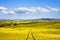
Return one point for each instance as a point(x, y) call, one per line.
point(30, 30)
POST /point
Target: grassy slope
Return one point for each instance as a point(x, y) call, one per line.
point(49, 31)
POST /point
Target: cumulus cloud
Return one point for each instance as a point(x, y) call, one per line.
point(43, 9)
point(53, 9)
point(2, 8)
point(28, 10)
point(31, 10)
point(24, 10)
point(6, 11)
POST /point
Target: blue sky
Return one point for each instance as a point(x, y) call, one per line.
point(29, 9)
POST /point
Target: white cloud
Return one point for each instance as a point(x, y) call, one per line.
point(12, 12)
point(42, 9)
point(53, 9)
point(5, 12)
point(2, 8)
point(8, 12)
point(28, 10)
point(25, 10)
point(31, 10)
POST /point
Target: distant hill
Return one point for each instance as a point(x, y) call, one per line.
point(47, 19)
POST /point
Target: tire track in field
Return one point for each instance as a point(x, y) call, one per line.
point(33, 36)
point(27, 35)
point(30, 34)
